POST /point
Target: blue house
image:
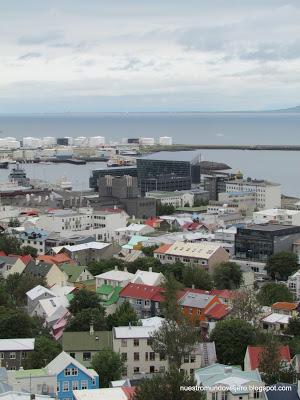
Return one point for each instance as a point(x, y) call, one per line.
point(71, 375)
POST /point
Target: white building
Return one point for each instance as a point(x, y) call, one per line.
point(114, 278)
point(294, 284)
point(165, 141)
point(32, 142)
point(267, 194)
point(280, 216)
point(176, 199)
point(96, 141)
point(147, 141)
point(244, 201)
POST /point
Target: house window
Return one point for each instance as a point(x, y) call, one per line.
point(1, 356)
point(193, 358)
point(136, 370)
point(57, 387)
point(74, 372)
point(224, 396)
point(136, 356)
point(162, 356)
point(256, 394)
point(86, 356)
point(124, 343)
point(139, 301)
point(72, 355)
point(149, 342)
point(136, 342)
point(152, 369)
point(75, 385)
point(84, 385)
point(65, 386)
point(191, 371)
point(124, 356)
point(146, 356)
point(24, 354)
point(67, 372)
point(12, 355)
point(190, 310)
point(186, 359)
point(214, 396)
point(152, 356)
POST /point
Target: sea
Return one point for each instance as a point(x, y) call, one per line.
point(185, 128)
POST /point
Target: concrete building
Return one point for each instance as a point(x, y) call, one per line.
point(280, 216)
point(176, 199)
point(259, 242)
point(203, 254)
point(245, 201)
point(267, 194)
point(13, 352)
point(294, 284)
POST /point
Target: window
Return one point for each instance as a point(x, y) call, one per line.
point(152, 369)
point(191, 371)
point(162, 356)
point(214, 396)
point(146, 356)
point(86, 356)
point(149, 342)
point(74, 372)
point(57, 387)
point(136, 370)
point(136, 356)
point(1, 356)
point(84, 385)
point(72, 355)
point(12, 355)
point(67, 372)
point(124, 356)
point(193, 358)
point(65, 386)
point(75, 385)
point(224, 396)
point(256, 394)
point(152, 356)
point(24, 354)
point(124, 343)
point(136, 342)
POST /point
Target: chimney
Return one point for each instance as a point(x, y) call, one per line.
point(129, 325)
point(92, 329)
point(150, 269)
point(193, 286)
point(125, 269)
point(116, 268)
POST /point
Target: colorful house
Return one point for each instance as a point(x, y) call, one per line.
point(254, 353)
point(196, 305)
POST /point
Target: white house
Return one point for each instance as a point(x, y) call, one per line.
point(114, 278)
point(280, 216)
point(148, 277)
point(177, 199)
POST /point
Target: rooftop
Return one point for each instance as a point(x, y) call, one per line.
point(284, 305)
point(16, 344)
point(195, 300)
point(139, 291)
point(84, 341)
point(270, 227)
point(197, 250)
point(116, 275)
point(255, 353)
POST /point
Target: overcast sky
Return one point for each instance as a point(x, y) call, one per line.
point(141, 55)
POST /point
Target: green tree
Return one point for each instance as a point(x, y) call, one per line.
point(98, 267)
point(29, 250)
point(171, 309)
point(17, 285)
point(167, 386)
point(109, 366)
point(198, 277)
point(9, 244)
point(164, 209)
point(227, 275)
point(83, 299)
point(294, 326)
point(244, 306)
point(83, 320)
point(13, 222)
point(123, 316)
point(272, 368)
point(15, 324)
point(45, 350)
point(231, 337)
point(148, 251)
point(175, 340)
point(282, 265)
point(273, 292)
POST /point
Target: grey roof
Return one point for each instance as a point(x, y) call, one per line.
point(173, 156)
point(40, 269)
point(271, 227)
point(8, 259)
point(197, 300)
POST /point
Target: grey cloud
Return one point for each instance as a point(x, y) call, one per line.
point(29, 56)
point(43, 38)
point(133, 64)
point(273, 52)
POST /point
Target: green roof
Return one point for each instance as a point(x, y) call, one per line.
point(104, 289)
point(73, 271)
point(27, 373)
point(84, 341)
point(70, 296)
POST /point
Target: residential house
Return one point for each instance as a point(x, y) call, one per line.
point(292, 391)
point(148, 277)
point(285, 308)
point(11, 265)
point(76, 273)
point(275, 322)
point(114, 278)
point(114, 393)
point(277, 215)
point(254, 353)
point(203, 254)
point(87, 252)
point(84, 345)
point(146, 300)
point(157, 223)
point(35, 238)
point(13, 352)
point(34, 295)
point(217, 312)
point(125, 233)
point(50, 272)
point(57, 259)
point(197, 305)
point(240, 385)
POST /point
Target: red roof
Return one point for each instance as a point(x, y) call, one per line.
point(56, 259)
point(26, 259)
point(218, 311)
point(191, 226)
point(2, 253)
point(162, 249)
point(129, 392)
point(225, 293)
point(284, 305)
point(153, 222)
point(255, 352)
point(145, 292)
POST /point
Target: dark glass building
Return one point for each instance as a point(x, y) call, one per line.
point(114, 171)
point(259, 242)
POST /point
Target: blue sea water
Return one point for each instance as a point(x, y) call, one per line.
point(190, 128)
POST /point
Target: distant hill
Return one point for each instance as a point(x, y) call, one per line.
point(291, 109)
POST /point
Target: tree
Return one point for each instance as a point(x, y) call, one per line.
point(45, 350)
point(9, 244)
point(171, 309)
point(164, 209)
point(245, 306)
point(29, 250)
point(175, 340)
point(282, 265)
point(13, 222)
point(167, 386)
point(17, 285)
point(272, 368)
point(82, 320)
point(198, 277)
point(231, 337)
point(148, 251)
point(227, 275)
point(15, 324)
point(273, 292)
point(98, 267)
point(123, 316)
point(109, 366)
point(294, 326)
point(83, 299)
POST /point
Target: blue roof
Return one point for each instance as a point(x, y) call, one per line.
point(135, 239)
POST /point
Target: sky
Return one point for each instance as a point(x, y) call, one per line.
point(141, 55)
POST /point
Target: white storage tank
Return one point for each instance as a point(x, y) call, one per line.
point(9, 143)
point(147, 141)
point(80, 141)
point(48, 141)
point(96, 141)
point(31, 142)
point(165, 141)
